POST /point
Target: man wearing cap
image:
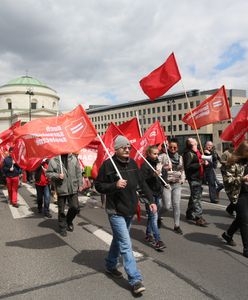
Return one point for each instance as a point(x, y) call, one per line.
point(121, 206)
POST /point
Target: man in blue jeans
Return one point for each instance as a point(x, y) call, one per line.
point(121, 206)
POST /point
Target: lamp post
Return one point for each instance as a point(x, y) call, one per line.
point(30, 93)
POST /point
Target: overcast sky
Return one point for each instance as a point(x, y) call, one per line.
point(96, 51)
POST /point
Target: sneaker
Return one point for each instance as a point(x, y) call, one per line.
point(114, 273)
point(229, 240)
point(15, 205)
point(48, 215)
point(70, 227)
point(138, 288)
point(201, 222)
point(178, 230)
point(149, 238)
point(159, 245)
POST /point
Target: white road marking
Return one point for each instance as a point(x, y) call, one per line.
point(106, 237)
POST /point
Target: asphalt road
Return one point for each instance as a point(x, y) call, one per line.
point(36, 263)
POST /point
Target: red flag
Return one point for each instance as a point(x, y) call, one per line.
point(154, 135)
point(236, 131)
point(159, 81)
point(6, 136)
point(57, 135)
point(131, 130)
point(19, 156)
point(108, 139)
point(212, 110)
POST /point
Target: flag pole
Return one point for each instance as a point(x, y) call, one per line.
point(192, 116)
point(137, 116)
point(61, 165)
point(110, 157)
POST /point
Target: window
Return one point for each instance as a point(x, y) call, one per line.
point(198, 102)
point(168, 108)
point(148, 110)
point(9, 105)
point(127, 114)
point(219, 132)
point(163, 108)
point(153, 119)
point(144, 111)
point(185, 105)
point(179, 106)
point(101, 118)
point(119, 115)
point(180, 117)
point(174, 117)
point(174, 107)
point(185, 126)
point(169, 128)
point(164, 119)
point(158, 109)
point(169, 118)
point(159, 119)
point(174, 127)
point(153, 110)
point(180, 127)
point(191, 104)
point(149, 120)
point(33, 105)
point(123, 115)
point(131, 113)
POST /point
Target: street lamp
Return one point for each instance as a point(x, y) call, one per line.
point(30, 93)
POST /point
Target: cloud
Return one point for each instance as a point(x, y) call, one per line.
point(95, 52)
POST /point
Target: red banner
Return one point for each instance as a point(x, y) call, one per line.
point(159, 81)
point(57, 135)
point(235, 132)
point(212, 110)
point(131, 130)
point(154, 135)
point(7, 135)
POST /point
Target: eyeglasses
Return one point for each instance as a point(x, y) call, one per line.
point(126, 148)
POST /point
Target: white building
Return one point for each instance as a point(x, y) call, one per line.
point(26, 98)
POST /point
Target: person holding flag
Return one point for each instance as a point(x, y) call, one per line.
point(12, 172)
point(193, 166)
point(121, 206)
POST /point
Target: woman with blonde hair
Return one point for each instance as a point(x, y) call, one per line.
point(236, 183)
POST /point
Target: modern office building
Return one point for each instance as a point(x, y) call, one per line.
point(26, 98)
point(169, 110)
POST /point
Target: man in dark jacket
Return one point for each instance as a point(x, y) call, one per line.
point(12, 172)
point(121, 206)
point(66, 174)
point(193, 165)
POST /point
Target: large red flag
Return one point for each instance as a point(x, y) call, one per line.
point(57, 135)
point(214, 109)
point(108, 139)
point(235, 132)
point(131, 130)
point(7, 135)
point(154, 135)
point(159, 81)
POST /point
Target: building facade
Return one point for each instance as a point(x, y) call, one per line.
point(26, 98)
point(169, 110)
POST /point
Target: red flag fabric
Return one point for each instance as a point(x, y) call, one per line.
point(235, 132)
point(154, 135)
point(19, 156)
point(212, 110)
point(6, 136)
point(131, 130)
point(57, 135)
point(159, 81)
point(108, 139)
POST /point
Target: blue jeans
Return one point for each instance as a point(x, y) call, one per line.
point(121, 245)
point(152, 220)
point(194, 205)
point(43, 192)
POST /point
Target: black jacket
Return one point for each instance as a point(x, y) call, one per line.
point(152, 179)
point(121, 201)
point(191, 165)
point(7, 164)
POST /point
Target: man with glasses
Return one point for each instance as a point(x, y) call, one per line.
point(121, 206)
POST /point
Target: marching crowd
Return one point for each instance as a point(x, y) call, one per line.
point(125, 185)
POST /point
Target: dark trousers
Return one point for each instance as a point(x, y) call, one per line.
point(241, 220)
point(194, 205)
point(72, 211)
point(43, 193)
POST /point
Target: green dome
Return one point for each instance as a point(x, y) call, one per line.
point(26, 81)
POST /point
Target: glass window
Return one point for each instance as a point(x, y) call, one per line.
point(168, 108)
point(180, 127)
point(169, 128)
point(148, 110)
point(144, 111)
point(174, 117)
point(185, 126)
point(174, 107)
point(153, 119)
point(163, 108)
point(33, 105)
point(131, 113)
point(127, 114)
point(9, 105)
point(169, 118)
point(158, 109)
point(174, 127)
point(123, 115)
point(198, 102)
point(164, 119)
point(153, 110)
point(185, 105)
point(149, 120)
point(180, 106)
point(191, 104)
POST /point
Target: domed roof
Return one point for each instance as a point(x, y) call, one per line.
point(26, 81)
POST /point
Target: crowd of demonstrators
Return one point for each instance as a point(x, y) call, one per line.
point(194, 171)
point(213, 184)
point(43, 189)
point(12, 172)
point(236, 185)
point(66, 174)
point(223, 160)
point(155, 184)
point(121, 206)
point(172, 162)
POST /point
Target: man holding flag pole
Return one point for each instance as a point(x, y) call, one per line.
point(119, 178)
